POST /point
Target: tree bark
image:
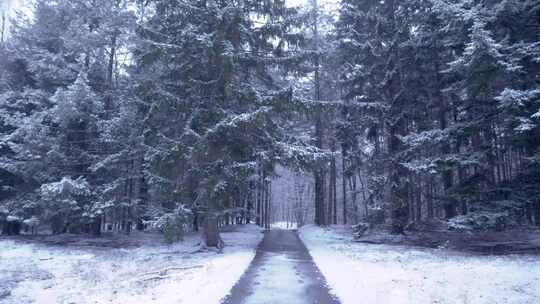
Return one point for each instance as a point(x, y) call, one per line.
point(320, 218)
point(333, 201)
point(2, 29)
point(267, 205)
point(258, 190)
point(536, 210)
point(398, 189)
point(447, 175)
point(330, 205)
point(344, 181)
point(96, 226)
point(397, 127)
point(211, 232)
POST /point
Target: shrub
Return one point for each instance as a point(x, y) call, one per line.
point(481, 220)
point(66, 203)
point(172, 224)
point(491, 215)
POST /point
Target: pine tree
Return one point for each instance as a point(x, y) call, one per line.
point(59, 94)
point(216, 119)
point(373, 36)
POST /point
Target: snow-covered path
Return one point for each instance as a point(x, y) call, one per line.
point(282, 272)
point(151, 273)
point(371, 274)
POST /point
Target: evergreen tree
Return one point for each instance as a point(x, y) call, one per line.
point(212, 100)
point(59, 92)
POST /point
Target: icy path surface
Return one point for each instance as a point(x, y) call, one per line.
point(369, 274)
point(153, 273)
point(281, 273)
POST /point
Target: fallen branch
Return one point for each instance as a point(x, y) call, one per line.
point(166, 270)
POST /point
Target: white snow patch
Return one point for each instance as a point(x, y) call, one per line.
point(284, 225)
point(401, 275)
point(35, 273)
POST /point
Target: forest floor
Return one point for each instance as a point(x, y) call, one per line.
point(511, 241)
point(398, 274)
point(122, 269)
point(282, 272)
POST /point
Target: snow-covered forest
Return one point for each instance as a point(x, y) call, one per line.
point(130, 127)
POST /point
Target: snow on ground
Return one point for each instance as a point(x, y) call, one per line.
point(37, 273)
point(280, 284)
point(365, 273)
point(284, 225)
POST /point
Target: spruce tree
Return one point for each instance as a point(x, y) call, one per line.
point(212, 99)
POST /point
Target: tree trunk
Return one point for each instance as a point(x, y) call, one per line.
point(354, 198)
point(196, 221)
point(449, 205)
point(344, 182)
point(397, 127)
point(263, 200)
point(258, 190)
point(249, 203)
point(2, 28)
point(330, 206)
point(11, 228)
point(333, 201)
point(96, 226)
point(537, 213)
point(419, 200)
point(398, 189)
point(320, 218)
point(364, 198)
point(211, 232)
point(447, 175)
point(267, 205)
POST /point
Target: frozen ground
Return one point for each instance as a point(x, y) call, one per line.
point(401, 275)
point(151, 273)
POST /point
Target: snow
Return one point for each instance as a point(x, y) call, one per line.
point(284, 225)
point(11, 218)
point(152, 273)
point(282, 276)
point(400, 275)
point(328, 5)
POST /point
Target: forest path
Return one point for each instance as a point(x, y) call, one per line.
point(282, 272)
